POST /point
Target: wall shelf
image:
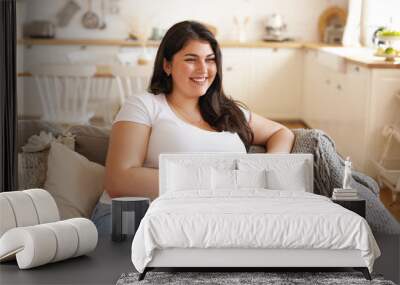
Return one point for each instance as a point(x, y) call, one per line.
point(133, 43)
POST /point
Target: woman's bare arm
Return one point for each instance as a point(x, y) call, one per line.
point(124, 173)
point(274, 136)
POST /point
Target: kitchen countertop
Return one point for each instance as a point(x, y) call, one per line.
point(362, 56)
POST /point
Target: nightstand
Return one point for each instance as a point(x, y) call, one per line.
point(357, 206)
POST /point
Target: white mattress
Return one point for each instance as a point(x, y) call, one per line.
point(250, 219)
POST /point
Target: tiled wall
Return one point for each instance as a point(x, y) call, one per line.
point(300, 16)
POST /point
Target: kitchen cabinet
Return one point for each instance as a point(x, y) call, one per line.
point(276, 83)
point(355, 113)
point(268, 81)
point(236, 66)
point(351, 103)
point(312, 84)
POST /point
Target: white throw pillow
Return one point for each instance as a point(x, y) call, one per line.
point(292, 179)
point(75, 182)
point(282, 173)
point(223, 179)
point(251, 178)
point(185, 177)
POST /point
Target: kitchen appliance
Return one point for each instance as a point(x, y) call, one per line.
point(275, 27)
point(39, 29)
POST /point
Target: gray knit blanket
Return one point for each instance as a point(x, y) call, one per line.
point(328, 174)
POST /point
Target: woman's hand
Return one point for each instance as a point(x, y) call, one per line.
point(124, 173)
point(275, 137)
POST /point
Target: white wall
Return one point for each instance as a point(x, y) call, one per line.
point(301, 16)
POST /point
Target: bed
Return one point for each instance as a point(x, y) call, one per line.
point(247, 211)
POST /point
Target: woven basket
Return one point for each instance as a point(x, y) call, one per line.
point(32, 169)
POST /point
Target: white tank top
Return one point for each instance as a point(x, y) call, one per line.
point(170, 134)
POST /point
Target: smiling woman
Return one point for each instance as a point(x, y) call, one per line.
point(188, 70)
point(186, 110)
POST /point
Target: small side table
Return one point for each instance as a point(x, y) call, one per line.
point(126, 214)
point(357, 206)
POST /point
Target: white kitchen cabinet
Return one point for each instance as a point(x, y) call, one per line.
point(335, 97)
point(268, 81)
point(236, 66)
point(352, 137)
point(313, 86)
point(276, 82)
point(351, 103)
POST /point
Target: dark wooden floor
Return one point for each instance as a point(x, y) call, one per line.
point(393, 207)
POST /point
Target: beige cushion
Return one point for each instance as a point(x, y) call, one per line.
point(91, 142)
point(75, 182)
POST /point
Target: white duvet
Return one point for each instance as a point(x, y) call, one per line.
point(250, 219)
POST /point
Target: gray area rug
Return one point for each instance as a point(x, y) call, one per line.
point(270, 278)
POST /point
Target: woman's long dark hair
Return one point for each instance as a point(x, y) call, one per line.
point(219, 111)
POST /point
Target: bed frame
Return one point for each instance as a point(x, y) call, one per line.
point(248, 259)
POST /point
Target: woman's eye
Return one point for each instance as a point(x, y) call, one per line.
point(190, 59)
point(211, 59)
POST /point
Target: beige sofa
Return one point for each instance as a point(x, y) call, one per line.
point(91, 142)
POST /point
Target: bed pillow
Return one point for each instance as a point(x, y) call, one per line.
point(226, 179)
point(74, 182)
point(184, 177)
point(251, 178)
point(291, 179)
point(223, 179)
point(281, 174)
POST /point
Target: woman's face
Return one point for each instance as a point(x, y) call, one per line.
point(193, 69)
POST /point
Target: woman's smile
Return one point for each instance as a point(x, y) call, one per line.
point(199, 80)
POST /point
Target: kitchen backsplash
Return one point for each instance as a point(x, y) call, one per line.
point(140, 16)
